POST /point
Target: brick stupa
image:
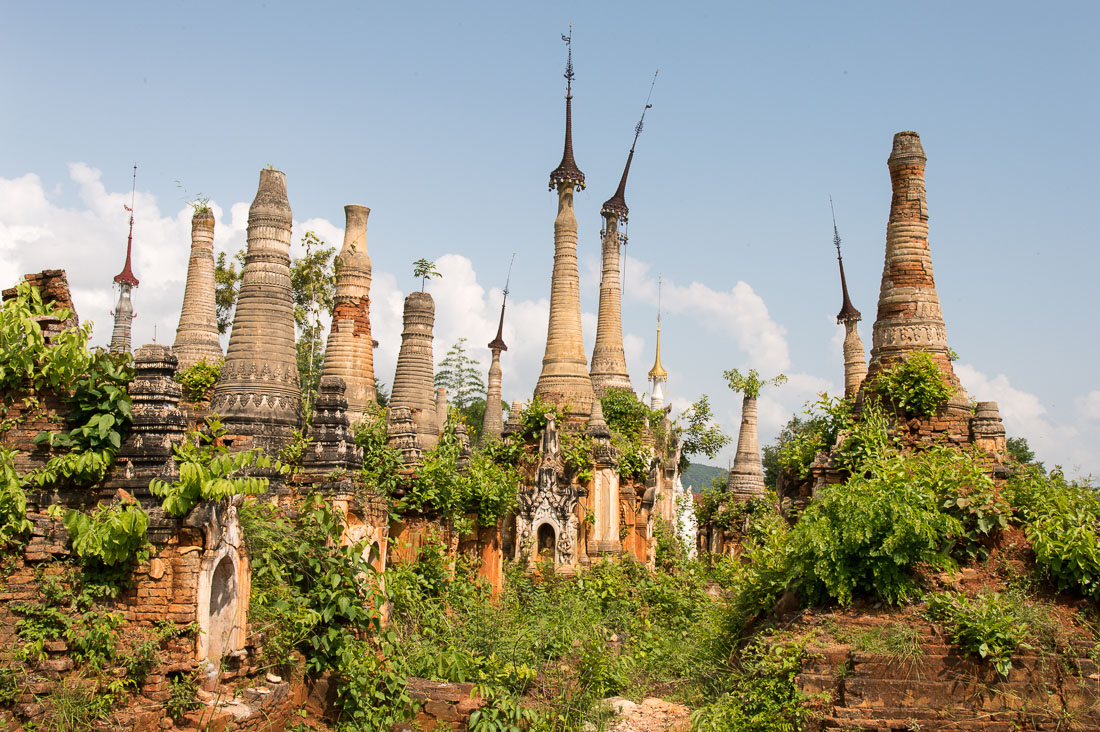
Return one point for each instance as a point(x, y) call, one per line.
point(349, 354)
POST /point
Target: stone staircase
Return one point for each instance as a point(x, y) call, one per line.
point(941, 689)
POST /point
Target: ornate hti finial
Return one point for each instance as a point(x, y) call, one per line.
point(847, 310)
point(616, 205)
point(126, 276)
point(567, 171)
point(498, 342)
point(658, 373)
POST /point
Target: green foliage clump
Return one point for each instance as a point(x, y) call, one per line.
point(210, 472)
point(915, 385)
point(484, 487)
point(699, 434)
point(198, 380)
point(461, 376)
point(576, 452)
point(764, 694)
point(380, 461)
point(13, 500)
point(112, 535)
point(628, 418)
point(314, 595)
point(802, 438)
point(1062, 521)
point(750, 384)
point(986, 626)
point(867, 535)
point(534, 417)
point(182, 691)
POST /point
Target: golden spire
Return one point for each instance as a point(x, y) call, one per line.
point(658, 373)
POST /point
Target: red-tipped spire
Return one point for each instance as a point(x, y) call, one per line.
point(567, 171)
point(126, 276)
point(847, 310)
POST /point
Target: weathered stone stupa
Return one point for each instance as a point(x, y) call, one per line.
point(909, 316)
point(493, 425)
point(564, 380)
point(855, 363)
point(258, 393)
point(197, 336)
point(608, 357)
point(413, 379)
point(746, 478)
point(350, 350)
point(126, 281)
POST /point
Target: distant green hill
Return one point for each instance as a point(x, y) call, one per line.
point(698, 477)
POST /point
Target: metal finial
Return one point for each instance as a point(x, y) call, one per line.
point(658, 302)
point(569, 60)
point(836, 234)
point(641, 122)
point(508, 279)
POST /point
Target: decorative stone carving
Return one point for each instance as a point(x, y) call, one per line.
point(333, 446)
point(197, 336)
point(551, 501)
point(403, 436)
point(258, 393)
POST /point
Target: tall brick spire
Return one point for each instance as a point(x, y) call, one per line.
point(909, 316)
point(258, 392)
point(126, 281)
point(197, 335)
point(350, 352)
point(414, 377)
point(564, 379)
point(608, 356)
point(855, 364)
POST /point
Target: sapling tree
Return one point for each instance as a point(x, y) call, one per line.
point(424, 270)
point(700, 434)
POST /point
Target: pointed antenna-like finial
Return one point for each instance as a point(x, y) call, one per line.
point(658, 373)
point(847, 310)
point(498, 342)
point(567, 171)
point(126, 276)
point(616, 205)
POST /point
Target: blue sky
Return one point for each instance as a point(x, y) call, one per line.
point(446, 119)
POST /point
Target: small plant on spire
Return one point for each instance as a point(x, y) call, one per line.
point(423, 270)
point(750, 384)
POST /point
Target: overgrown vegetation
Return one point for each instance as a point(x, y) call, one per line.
point(210, 472)
point(198, 380)
point(915, 386)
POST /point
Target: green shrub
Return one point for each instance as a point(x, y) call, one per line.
point(210, 472)
point(1062, 522)
point(625, 413)
point(576, 452)
point(868, 535)
point(181, 696)
point(915, 386)
point(380, 461)
point(764, 696)
point(198, 380)
point(13, 500)
point(112, 535)
point(986, 626)
point(533, 418)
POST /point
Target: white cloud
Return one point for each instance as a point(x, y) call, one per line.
point(1069, 444)
point(739, 314)
point(1089, 405)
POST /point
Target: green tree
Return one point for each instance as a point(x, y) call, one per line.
point(1022, 452)
point(461, 375)
point(313, 287)
point(227, 284)
point(700, 434)
point(424, 270)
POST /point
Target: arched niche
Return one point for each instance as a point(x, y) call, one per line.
point(546, 543)
point(223, 587)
